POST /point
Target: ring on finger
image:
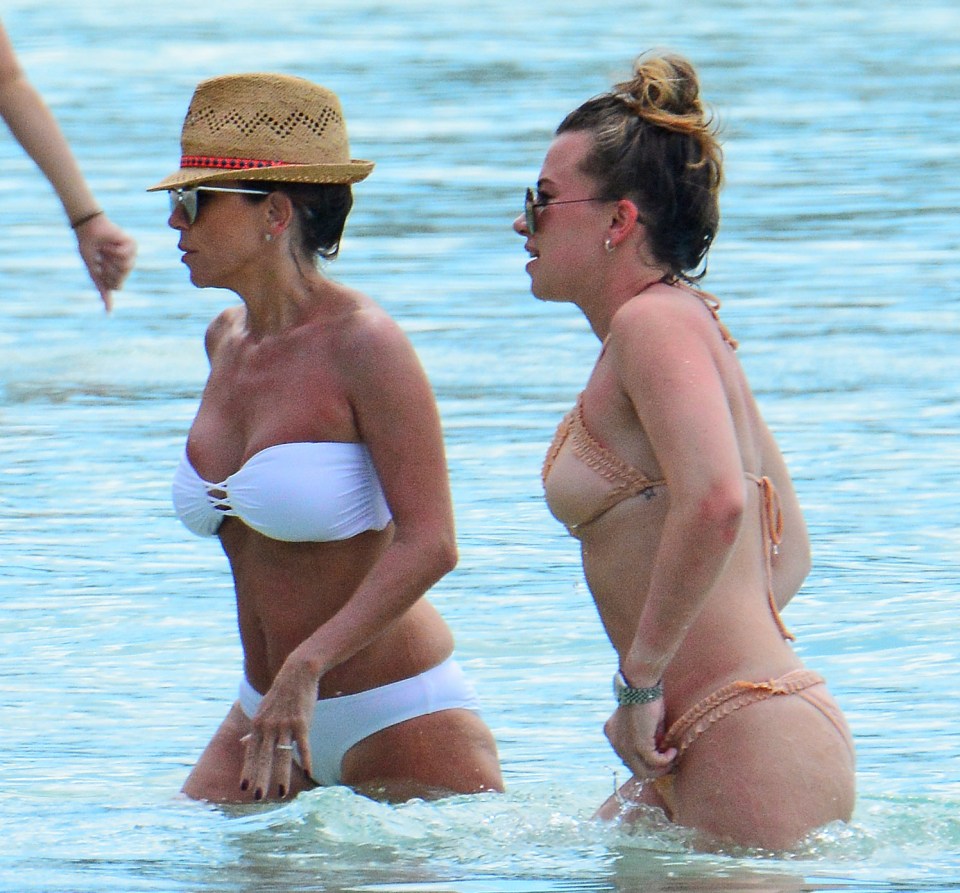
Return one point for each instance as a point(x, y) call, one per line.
point(283, 747)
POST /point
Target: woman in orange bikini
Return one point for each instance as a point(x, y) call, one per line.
point(691, 533)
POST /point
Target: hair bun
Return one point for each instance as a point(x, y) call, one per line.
point(665, 91)
point(654, 143)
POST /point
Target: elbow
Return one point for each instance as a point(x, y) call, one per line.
point(426, 546)
point(447, 555)
point(720, 511)
point(437, 555)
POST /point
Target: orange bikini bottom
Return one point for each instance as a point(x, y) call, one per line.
point(691, 725)
point(732, 697)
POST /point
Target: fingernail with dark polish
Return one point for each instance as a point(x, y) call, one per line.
point(244, 785)
point(258, 794)
point(282, 791)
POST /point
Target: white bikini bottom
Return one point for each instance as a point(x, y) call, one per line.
point(339, 723)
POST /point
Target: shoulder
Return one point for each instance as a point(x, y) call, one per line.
point(372, 350)
point(221, 327)
point(667, 340)
point(662, 316)
point(382, 374)
point(370, 330)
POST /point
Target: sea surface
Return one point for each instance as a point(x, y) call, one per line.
point(837, 265)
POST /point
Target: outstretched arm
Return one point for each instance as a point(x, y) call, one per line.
point(107, 250)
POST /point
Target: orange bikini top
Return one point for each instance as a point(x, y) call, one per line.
point(626, 481)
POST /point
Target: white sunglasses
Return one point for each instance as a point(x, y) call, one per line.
point(189, 200)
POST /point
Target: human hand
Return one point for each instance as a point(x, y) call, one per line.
point(634, 733)
point(108, 253)
point(280, 732)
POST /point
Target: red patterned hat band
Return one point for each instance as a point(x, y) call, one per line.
point(226, 164)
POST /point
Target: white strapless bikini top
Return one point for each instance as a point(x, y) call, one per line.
point(296, 492)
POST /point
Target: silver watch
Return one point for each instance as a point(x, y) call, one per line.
point(627, 695)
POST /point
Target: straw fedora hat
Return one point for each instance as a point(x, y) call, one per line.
point(266, 127)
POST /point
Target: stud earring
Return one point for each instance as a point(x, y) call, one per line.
point(268, 237)
point(608, 245)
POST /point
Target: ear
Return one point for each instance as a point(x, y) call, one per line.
point(279, 211)
point(624, 222)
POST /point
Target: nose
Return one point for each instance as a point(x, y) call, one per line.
point(178, 217)
point(520, 225)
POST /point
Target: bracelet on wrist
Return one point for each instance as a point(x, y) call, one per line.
point(627, 695)
point(80, 221)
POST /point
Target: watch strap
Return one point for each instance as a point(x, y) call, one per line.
point(627, 695)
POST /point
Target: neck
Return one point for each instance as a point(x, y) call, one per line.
point(276, 304)
point(600, 313)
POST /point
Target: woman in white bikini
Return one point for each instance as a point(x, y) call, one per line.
point(691, 534)
point(316, 458)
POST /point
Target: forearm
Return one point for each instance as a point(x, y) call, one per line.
point(693, 551)
point(35, 128)
point(400, 578)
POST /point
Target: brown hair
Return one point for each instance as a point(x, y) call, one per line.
point(322, 209)
point(654, 143)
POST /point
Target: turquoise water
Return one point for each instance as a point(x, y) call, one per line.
point(838, 267)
